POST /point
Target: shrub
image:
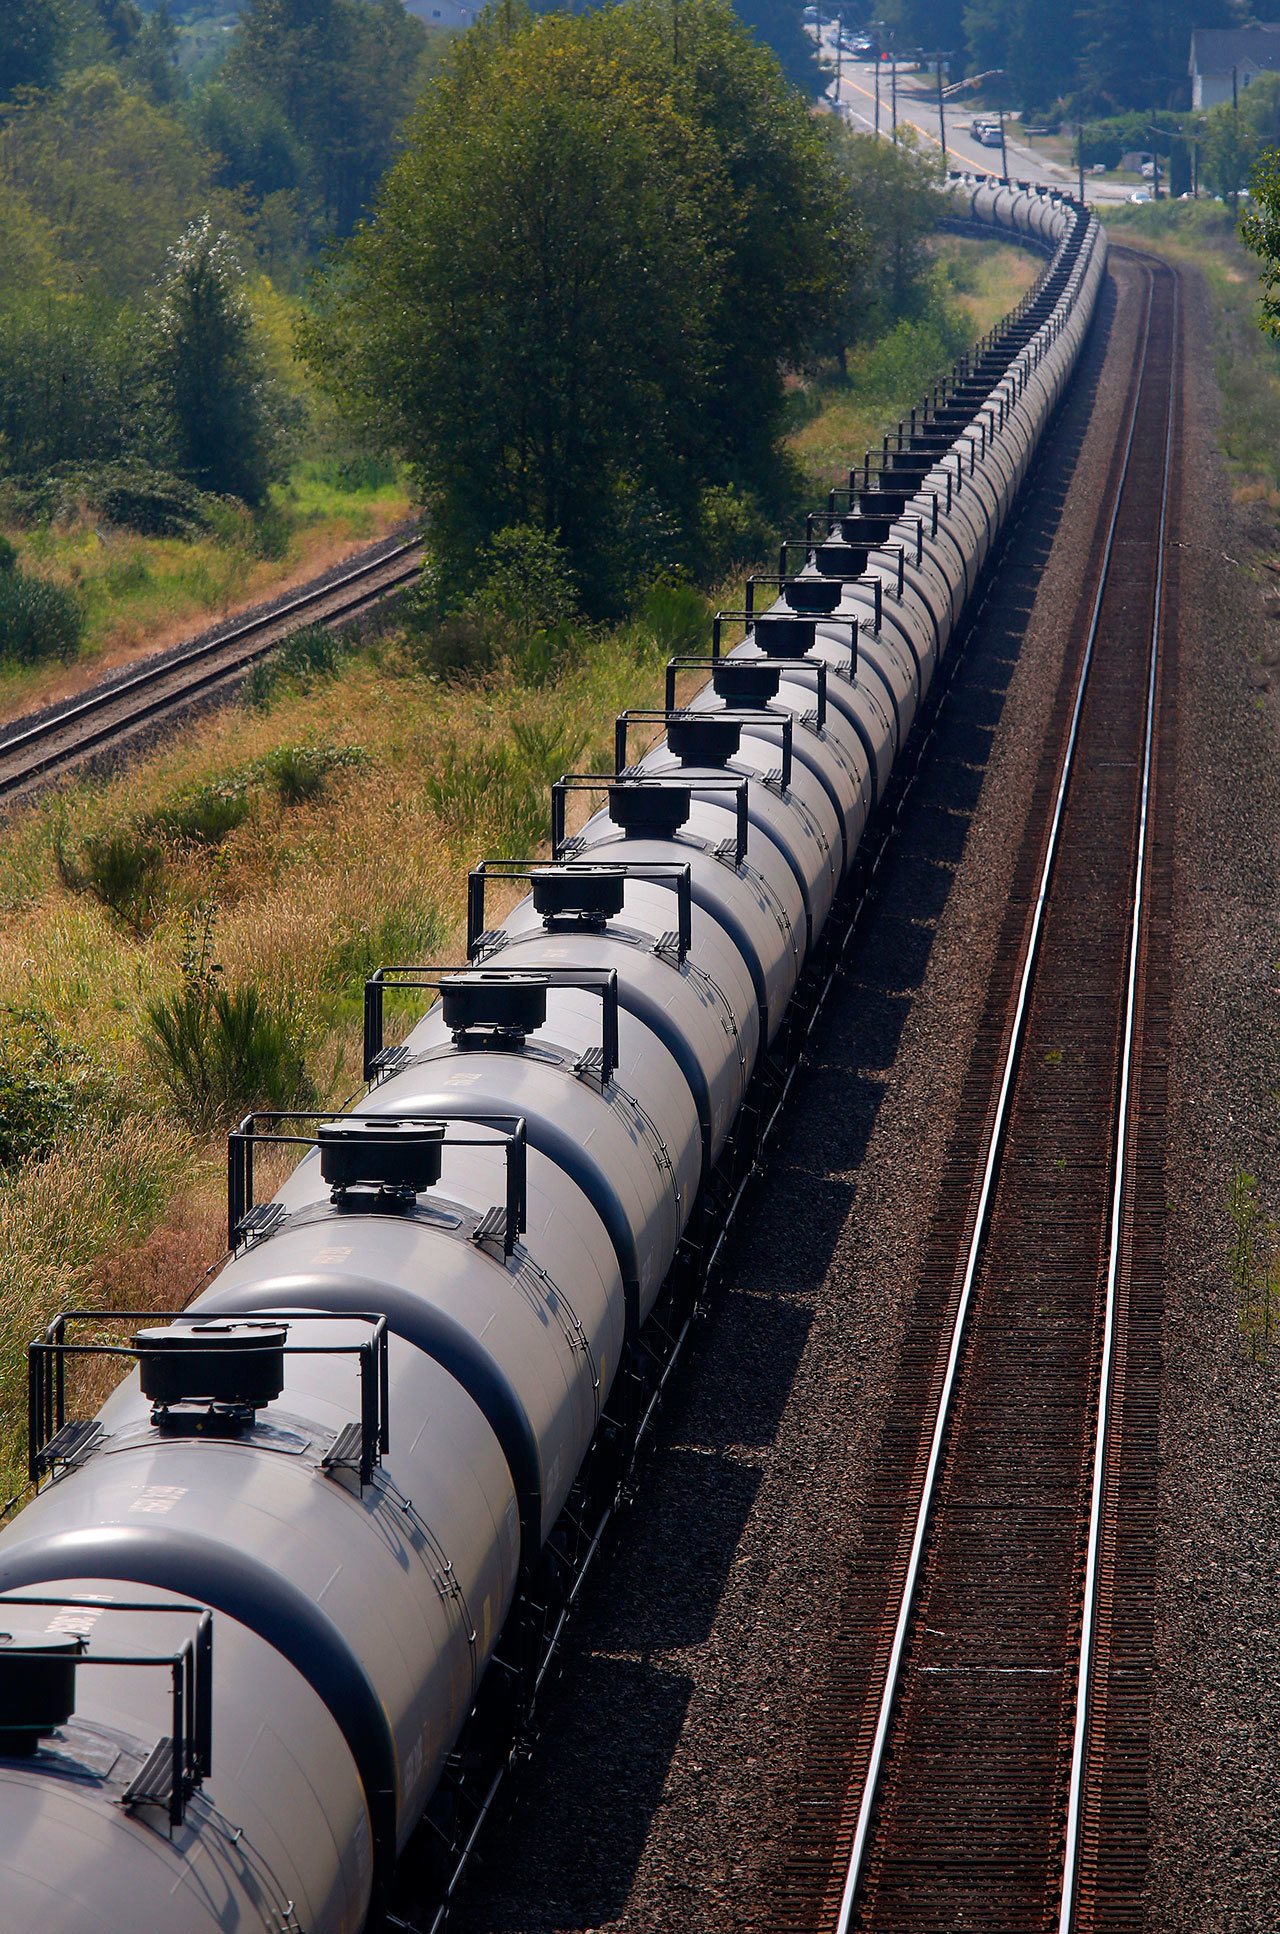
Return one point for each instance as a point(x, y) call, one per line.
point(204, 817)
point(132, 497)
point(123, 868)
point(734, 531)
point(37, 619)
point(8, 555)
point(299, 773)
point(221, 1051)
point(47, 1087)
point(676, 617)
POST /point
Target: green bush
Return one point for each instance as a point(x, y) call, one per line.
point(38, 619)
point(299, 773)
point(203, 817)
point(47, 1087)
point(8, 555)
point(734, 531)
point(123, 868)
point(221, 1051)
point(131, 496)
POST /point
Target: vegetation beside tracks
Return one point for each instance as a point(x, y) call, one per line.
point(277, 851)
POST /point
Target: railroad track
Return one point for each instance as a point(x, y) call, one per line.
point(981, 1759)
point(111, 714)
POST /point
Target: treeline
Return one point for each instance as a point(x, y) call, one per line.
point(138, 207)
point(609, 236)
point(1090, 57)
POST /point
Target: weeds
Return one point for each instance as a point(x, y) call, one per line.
point(489, 793)
point(220, 1051)
point(297, 774)
point(48, 1088)
point(1254, 1264)
point(308, 654)
point(123, 868)
point(400, 937)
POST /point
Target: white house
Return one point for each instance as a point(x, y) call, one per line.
point(1227, 58)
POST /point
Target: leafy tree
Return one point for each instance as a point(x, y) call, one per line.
point(68, 384)
point(529, 310)
point(779, 25)
point(605, 235)
point(781, 217)
point(28, 251)
point(115, 178)
point(1228, 151)
point(1010, 34)
point(33, 35)
point(342, 75)
point(894, 190)
point(1260, 232)
point(208, 377)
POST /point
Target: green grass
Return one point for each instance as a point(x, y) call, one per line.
point(1246, 362)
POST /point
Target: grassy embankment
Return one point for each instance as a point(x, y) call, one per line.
point(1247, 369)
point(1246, 362)
point(298, 841)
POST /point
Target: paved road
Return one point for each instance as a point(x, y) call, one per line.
point(918, 109)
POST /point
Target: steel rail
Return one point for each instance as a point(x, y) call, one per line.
point(866, 1806)
point(208, 654)
point(1116, 1236)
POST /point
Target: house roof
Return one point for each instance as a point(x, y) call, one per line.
point(1216, 50)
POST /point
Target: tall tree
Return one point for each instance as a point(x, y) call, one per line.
point(605, 234)
point(785, 225)
point(529, 308)
point(1038, 68)
point(33, 34)
point(209, 382)
point(343, 74)
point(115, 178)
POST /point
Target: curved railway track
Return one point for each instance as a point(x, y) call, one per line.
point(981, 1761)
point(38, 750)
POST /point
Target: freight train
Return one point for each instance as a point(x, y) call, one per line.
point(274, 1618)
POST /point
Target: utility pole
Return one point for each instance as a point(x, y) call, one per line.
point(942, 111)
point(839, 58)
point(1155, 162)
point(893, 85)
point(878, 59)
point(1004, 158)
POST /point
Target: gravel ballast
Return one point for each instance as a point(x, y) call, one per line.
point(662, 1794)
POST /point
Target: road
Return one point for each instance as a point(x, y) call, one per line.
point(918, 109)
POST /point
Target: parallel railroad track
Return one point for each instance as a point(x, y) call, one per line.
point(115, 712)
point(981, 1760)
